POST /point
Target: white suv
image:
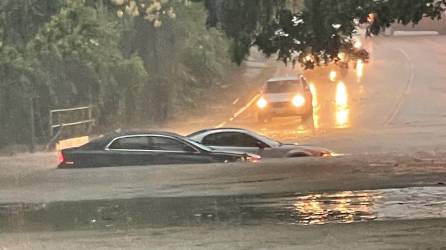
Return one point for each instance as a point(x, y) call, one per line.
point(285, 96)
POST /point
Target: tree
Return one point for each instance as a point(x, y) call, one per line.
point(311, 32)
point(317, 33)
point(19, 22)
point(181, 55)
point(66, 53)
point(79, 49)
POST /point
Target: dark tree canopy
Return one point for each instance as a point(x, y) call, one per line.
point(241, 20)
point(315, 34)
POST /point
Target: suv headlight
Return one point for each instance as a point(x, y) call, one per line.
point(327, 154)
point(298, 101)
point(262, 103)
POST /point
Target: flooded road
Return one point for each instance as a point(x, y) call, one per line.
point(396, 90)
point(291, 209)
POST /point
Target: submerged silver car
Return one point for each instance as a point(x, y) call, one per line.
point(285, 96)
point(242, 140)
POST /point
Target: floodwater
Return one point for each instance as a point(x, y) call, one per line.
point(293, 209)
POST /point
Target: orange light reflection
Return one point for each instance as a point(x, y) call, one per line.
point(342, 108)
point(342, 117)
point(314, 94)
point(333, 75)
point(359, 69)
point(316, 109)
point(317, 209)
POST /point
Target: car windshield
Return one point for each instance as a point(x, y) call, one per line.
point(281, 87)
point(361, 85)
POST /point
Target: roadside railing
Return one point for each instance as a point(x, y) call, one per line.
point(58, 118)
point(60, 122)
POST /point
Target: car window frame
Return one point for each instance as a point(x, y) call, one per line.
point(216, 134)
point(179, 141)
point(116, 139)
point(252, 137)
point(238, 133)
point(107, 148)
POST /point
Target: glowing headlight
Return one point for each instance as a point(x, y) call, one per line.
point(298, 101)
point(327, 154)
point(262, 103)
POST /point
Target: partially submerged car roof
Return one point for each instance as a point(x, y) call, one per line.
point(102, 141)
point(217, 129)
point(142, 132)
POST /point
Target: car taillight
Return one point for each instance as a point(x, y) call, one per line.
point(60, 158)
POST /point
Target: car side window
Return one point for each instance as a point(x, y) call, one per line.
point(230, 139)
point(220, 139)
point(247, 141)
point(131, 143)
point(169, 144)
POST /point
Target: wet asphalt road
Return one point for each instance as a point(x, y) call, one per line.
point(400, 92)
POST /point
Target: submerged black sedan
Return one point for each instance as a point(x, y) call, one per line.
point(145, 148)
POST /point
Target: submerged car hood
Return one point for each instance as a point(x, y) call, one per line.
point(314, 150)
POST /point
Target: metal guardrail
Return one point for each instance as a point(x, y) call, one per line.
point(72, 123)
point(88, 118)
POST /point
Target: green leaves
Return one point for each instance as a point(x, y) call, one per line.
point(242, 21)
point(153, 11)
point(79, 52)
point(77, 31)
point(315, 34)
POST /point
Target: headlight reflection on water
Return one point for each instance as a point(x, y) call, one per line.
point(359, 69)
point(342, 107)
point(342, 118)
point(343, 206)
point(314, 94)
point(315, 103)
point(333, 75)
point(341, 95)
